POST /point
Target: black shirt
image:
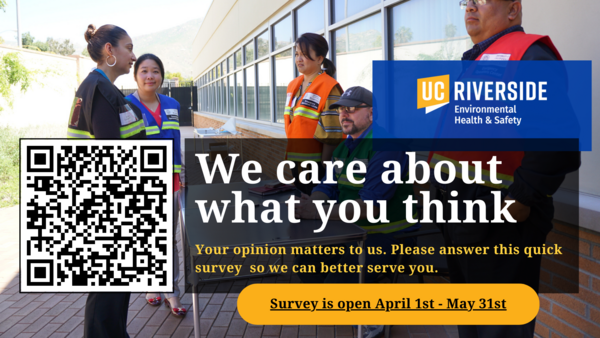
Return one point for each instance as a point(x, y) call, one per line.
point(104, 125)
point(541, 172)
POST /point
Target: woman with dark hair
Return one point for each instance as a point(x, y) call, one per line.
point(161, 116)
point(100, 110)
point(312, 130)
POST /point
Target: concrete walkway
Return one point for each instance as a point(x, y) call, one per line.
point(61, 314)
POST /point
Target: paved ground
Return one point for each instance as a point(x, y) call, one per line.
point(61, 314)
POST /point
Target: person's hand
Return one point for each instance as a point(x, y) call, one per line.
point(306, 209)
point(182, 184)
point(518, 211)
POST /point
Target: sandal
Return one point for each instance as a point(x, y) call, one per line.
point(178, 312)
point(154, 301)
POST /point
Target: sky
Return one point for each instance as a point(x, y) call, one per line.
point(68, 19)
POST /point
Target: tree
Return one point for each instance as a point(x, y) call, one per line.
point(27, 39)
point(56, 47)
point(403, 35)
point(177, 75)
point(30, 43)
point(85, 52)
point(3, 5)
point(448, 50)
point(450, 30)
point(1, 39)
point(41, 45)
point(170, 75)
point(263, 46)
point(13, 73)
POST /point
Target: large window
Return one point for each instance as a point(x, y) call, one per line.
point(214, 98)
point(284, 74)
point(282, 33)
point(231, 82)
point(251, 81)
point(219, 107)
point(356, 46)
point(346, 8)
point(264, 99)
point(262, 44)
point(249, 52)
point(223, 96)
point(250, 103)
point(310, 17)
point(238, 59)
point(428, 30)
point(239, 87)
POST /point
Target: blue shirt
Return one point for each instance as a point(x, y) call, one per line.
point(373, 189)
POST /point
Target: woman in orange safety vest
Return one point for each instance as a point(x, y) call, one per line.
point(313, 131)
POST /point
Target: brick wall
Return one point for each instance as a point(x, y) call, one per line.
point(568, 315)
point(573, 314)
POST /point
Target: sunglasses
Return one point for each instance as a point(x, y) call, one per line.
point(350, 110)
point(464, 3)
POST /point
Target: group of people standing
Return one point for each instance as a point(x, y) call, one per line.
point(323, 123)
point(101, 111)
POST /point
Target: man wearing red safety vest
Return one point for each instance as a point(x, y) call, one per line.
point(528, 178)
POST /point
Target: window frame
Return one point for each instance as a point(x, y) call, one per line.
point(208, 77)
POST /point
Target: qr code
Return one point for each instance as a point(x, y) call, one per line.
point(96, 215)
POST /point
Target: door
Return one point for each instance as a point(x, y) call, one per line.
point(183, 95)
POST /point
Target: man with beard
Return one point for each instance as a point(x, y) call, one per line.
point(356, 118)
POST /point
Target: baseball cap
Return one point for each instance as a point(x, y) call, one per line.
point(353, 97)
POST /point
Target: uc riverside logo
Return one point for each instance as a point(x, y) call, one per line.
point(433, 92)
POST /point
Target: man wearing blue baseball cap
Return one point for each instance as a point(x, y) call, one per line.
point(355, 109)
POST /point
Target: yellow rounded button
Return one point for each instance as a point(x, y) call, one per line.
point(388, 304)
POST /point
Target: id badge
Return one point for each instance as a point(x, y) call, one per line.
point(172, 114)
point(127, 115)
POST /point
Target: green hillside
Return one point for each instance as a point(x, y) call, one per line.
point(173, 46)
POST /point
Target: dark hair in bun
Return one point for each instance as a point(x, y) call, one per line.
point(97, 38)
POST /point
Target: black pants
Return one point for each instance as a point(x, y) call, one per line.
point(493, 268)
point(106, 315)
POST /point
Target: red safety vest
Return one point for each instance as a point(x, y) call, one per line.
point(302, 120)
point(515, 45)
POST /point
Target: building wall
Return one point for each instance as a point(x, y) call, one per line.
point(50, 96)
point(227, 23)
point(571, 314)
point(570, 27)
point(575, 314)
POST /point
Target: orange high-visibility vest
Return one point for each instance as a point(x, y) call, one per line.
point(301, 120)
point(515, 44)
